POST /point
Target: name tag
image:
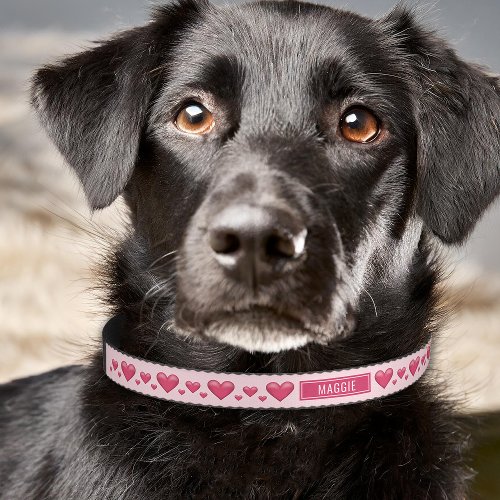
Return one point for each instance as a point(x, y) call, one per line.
point(335, 387)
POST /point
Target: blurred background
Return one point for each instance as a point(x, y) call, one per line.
point(49, 242)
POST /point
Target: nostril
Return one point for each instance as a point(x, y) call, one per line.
point(286, 246)
point(224, 242)
point(280, 247)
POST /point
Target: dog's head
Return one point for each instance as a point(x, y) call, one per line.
point(281, 152)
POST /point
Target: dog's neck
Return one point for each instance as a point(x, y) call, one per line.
point(404, 321)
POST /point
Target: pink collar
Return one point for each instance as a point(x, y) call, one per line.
point(256, 390)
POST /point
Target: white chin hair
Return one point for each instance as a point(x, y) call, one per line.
point(256, 338)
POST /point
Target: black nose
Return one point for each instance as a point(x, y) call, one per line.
point(257, 245)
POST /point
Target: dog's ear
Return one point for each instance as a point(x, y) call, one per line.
point(94, 104)
point(457, 115)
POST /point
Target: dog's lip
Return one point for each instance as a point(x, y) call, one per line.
point(253, 328)
point(258, 312)
point(265, 316)
point(258, 328)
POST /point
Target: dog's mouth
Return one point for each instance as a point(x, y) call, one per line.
point(256, 328)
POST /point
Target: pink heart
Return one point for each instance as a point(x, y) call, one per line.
point(401, 372)
point(279, 391)
point(220, 390)
point(383, 378)
point(111, 368)
point(238, 397)
point(137, 381)
point(146, 377)
point(394, 381)
point(115, 364)
point(168, 383)
point(153, 386)
point(414, 365)
point(428, 352)
point(128, 370)
point(119, 374)
point(262, 398)
point(249, 391)
point(181, 391)
point(203, 394)
point(424, 359)
point(406, 377)
point(192, 386)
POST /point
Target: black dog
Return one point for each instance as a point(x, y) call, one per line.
point(287, 167)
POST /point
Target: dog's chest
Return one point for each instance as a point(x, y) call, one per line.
point(256, 461)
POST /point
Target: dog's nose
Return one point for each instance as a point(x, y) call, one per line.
point(256, 244)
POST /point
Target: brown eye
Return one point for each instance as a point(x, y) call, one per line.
point(359, 125)
point(195, 119)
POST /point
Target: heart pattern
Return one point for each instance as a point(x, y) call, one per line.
point(414, 365)
point(167, 382)
point(249, 391)
point(128, 370)
point(383, 378)
point(220, 390)
point(279, 391)
point(192, 386)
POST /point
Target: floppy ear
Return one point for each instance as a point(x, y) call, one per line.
point(458, 115)
point(94, 105)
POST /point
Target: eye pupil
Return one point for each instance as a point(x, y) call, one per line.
point(354, 121)
point(194, 114)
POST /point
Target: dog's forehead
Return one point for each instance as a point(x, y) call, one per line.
point(279, 44)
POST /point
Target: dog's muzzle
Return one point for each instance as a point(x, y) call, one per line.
point(248, 271)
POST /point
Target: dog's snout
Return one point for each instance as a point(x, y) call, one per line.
point(257, 244)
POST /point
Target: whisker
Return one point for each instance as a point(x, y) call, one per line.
point(369, 295)
point(151, 266)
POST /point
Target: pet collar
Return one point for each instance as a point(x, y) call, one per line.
point(258, 390)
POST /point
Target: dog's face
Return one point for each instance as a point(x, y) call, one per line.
point(279, 159)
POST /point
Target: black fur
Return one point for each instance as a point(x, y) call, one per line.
point(277, 76)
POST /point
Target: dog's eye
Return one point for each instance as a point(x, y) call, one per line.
point(195, 119)
point(359, 125)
